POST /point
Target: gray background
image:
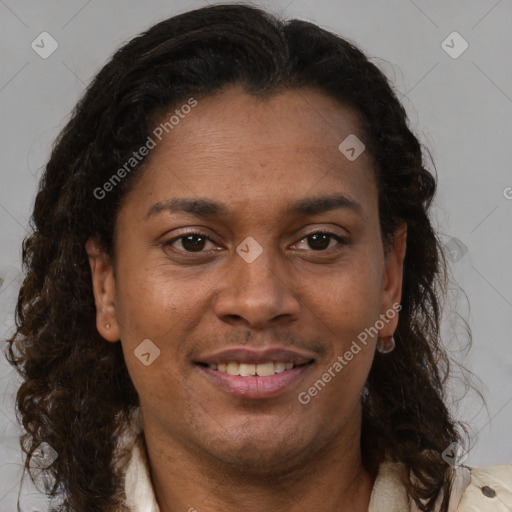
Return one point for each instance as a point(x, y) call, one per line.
point(460, 108)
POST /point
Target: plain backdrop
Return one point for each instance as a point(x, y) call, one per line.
point(459, 104)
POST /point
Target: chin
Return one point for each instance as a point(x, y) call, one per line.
point(259, 452)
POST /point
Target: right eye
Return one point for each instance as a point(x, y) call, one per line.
point(192, 242)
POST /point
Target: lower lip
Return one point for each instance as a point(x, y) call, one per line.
point(256, 387)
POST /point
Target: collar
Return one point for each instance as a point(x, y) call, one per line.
point(138, 488)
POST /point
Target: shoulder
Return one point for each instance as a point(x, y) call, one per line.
point(473, 490)
point(488, 489)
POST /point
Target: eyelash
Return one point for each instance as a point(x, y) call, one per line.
point(339, 239)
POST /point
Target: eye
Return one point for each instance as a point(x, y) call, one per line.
point(195, 242)
point(320, 240)
point(190, 242)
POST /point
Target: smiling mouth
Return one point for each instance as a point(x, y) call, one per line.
point(265, 369)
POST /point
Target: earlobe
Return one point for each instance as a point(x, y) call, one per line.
point(103, 285)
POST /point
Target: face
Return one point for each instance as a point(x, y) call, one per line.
point(250, 238)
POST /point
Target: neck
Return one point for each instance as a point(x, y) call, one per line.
point(331, 480)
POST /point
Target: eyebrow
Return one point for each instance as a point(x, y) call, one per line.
point(208, 208)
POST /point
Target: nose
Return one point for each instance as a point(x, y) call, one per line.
point(258, 293)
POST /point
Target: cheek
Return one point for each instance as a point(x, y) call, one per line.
point(155, 304)
point(150, 302)
point(153, 332)
point(349, 299)
point(162, 395)
point(344, 317)
point(345, 309)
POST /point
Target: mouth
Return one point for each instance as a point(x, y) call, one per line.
point(248, 374)
point(254, 370)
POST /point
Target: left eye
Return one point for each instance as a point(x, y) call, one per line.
point(320, 240)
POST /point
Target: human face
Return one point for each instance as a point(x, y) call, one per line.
point(194, 298)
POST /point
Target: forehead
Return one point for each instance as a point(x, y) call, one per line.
point(232, 121)
point(249, 149)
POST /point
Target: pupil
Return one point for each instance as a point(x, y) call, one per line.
point(193, 246)
point(316, 238)
point(317, 242)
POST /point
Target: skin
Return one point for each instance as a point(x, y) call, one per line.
point(207, 449)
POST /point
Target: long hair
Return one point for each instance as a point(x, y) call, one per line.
point(76, 393)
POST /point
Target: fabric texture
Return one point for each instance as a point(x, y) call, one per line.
point(473, 490)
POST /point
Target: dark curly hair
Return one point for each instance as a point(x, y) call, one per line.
point(76, 393)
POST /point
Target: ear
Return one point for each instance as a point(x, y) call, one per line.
point(392, 282)
point(103, 285)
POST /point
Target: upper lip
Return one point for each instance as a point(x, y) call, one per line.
point(248, 355)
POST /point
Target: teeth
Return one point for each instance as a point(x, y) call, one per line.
point(247, 370)
point(279, 367)
point(265, 369)
point(233, 369)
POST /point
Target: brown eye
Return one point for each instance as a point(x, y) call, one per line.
point(320, 240)
point(190, 242)
point(193, 243)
